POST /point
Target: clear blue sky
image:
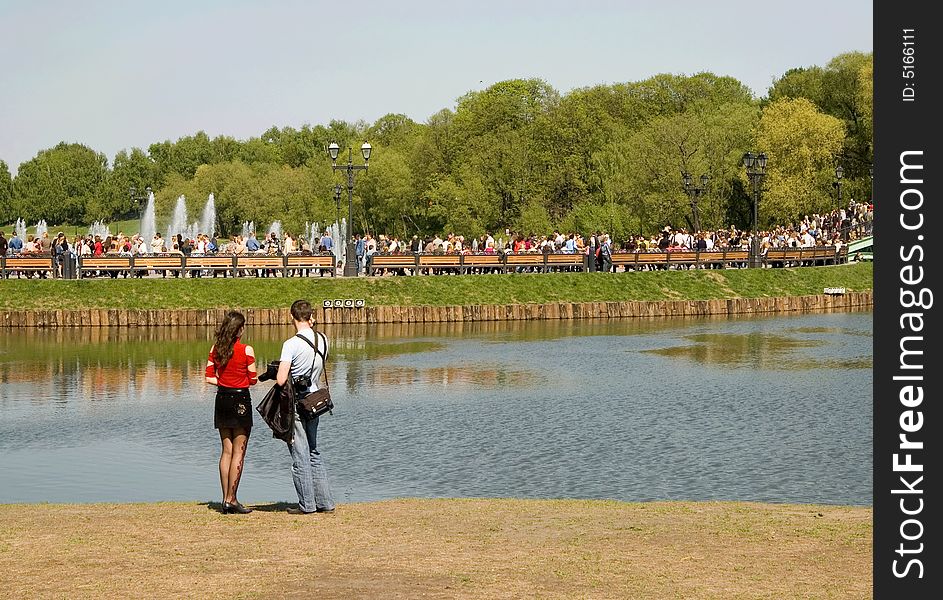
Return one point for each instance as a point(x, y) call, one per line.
point(118, 74)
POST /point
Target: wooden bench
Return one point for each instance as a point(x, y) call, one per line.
point(493, 262)
point(224, 263)
point(710, 258)
point(312, 262)
point(391, 261)
point(783, 257)
point(252, 262)
point(103, 263)
point(649, 258)
point(556, 261)
point(157, 262)
point(682, 258)
point(28, 264)
point(735, 257)
point(440, 261)
point(514, 261)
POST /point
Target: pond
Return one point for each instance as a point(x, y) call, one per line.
point(773, 409)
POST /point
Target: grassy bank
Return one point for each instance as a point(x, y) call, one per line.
point(435, 291)
point(438, 549)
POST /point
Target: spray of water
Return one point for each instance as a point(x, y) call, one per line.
point(148, 221)
point(100, 229)
point(208, 219)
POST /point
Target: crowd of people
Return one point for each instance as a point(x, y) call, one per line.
point(834, 228)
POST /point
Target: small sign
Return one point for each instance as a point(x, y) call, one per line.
point(834, 291)
point(327, 304)
point(360, 303)
point(348, 303)
point(338, 303)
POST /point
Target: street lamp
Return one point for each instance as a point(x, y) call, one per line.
point(133, 193)
point(839, 173)
point(756, 170)
point(695, 192)
point(350, 269)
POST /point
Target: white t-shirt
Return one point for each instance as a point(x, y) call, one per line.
point(300, 354)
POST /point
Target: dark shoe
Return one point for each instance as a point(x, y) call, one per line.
point(325, 511)
point(298, 511)
point(235, 508)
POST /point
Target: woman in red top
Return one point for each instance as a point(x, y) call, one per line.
point(231, 367)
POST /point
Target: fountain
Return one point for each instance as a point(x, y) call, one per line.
point(100, 229)
point(208, 219)
point(248, 228)
point(339, 235)
point(276, 228)
point(148, 221)
point(21, 229)
point(41, 228)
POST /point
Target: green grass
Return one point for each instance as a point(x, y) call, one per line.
point(440, 290)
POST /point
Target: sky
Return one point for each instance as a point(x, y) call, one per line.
point(122, 74)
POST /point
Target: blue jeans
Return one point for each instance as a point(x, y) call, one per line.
point(307, 468)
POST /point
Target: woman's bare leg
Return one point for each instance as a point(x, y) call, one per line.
point(240, 440)
point(225, 459)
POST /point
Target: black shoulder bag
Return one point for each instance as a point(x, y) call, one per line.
point(319, 401)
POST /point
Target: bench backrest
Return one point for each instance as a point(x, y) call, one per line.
point(166, 262)
point(565, 259)
point(104, 263)
point(308, 262)
point(481, 260)
point(260, 262)
point(439, 260)
point(524, 259)
point(28, 262)
point(393, 260)
point(210, 262)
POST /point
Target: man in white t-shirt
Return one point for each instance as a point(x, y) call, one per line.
point(303, 355)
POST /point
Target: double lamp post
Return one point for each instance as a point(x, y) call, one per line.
point(694, 191)
point(756, 171)
point(350, 269)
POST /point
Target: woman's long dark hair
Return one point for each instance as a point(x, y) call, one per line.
point(226, 335)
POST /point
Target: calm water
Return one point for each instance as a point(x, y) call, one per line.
point(767, 409)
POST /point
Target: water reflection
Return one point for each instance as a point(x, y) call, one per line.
point(768, 409)
point(763, 350)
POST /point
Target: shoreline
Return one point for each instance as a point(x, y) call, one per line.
point(114, 317)
point(440, 548)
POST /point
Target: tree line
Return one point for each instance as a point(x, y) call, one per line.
point(516, 155)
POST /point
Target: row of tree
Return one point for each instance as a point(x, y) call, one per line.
point(517, 154)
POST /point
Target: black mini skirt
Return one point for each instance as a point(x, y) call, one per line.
point(233, 408)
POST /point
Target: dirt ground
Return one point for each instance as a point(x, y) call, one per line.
point(466, 548)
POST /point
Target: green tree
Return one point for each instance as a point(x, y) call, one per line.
point(6, 195)
point(63, 184)
point(842, 89)
point(802, 145)
point(132, 169)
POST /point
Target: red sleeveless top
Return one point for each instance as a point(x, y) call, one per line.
point(236, 372)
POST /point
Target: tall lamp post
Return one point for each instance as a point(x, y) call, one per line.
point(694, 191)
point(756, 171)
point(133, 193)
point(839, 173)
point(350, 269)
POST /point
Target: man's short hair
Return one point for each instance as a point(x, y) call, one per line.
point(301, 310)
